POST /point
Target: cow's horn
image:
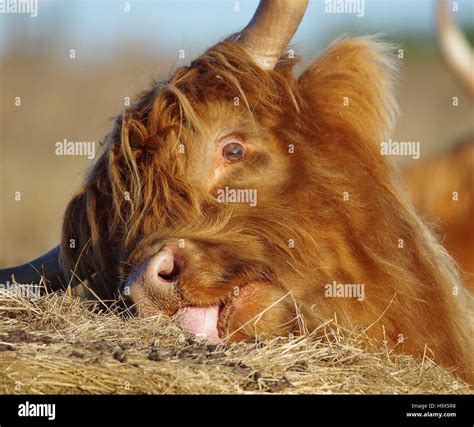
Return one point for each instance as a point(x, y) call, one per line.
point(46, 266)
point(455, 48)
point(273, 25)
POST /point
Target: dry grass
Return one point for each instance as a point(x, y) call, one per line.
point(57, 344)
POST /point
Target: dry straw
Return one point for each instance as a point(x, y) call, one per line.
point(61, 344)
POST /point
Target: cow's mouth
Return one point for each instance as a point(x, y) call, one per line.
point(200, 321)
point(209, 323)
point(221, 322)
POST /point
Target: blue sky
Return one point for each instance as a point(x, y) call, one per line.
point(102, 27)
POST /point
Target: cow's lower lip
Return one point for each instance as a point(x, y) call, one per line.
point(200, 321)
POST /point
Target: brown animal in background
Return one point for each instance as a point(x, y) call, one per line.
point(156, 217)
point(442, 187)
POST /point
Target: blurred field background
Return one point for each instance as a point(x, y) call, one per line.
point(119, 52)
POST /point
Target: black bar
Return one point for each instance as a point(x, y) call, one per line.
point(292, 410)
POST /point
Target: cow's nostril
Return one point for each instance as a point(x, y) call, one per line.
point(168, 268)
point(170, 276)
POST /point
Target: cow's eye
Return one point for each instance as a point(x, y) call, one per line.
point(233, 150)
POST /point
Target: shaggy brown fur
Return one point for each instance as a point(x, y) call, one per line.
point(309, 149)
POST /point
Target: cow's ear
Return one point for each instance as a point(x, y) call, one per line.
point(85, 250)
point(350, 87)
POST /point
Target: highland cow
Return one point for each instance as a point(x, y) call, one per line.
point(331, 212)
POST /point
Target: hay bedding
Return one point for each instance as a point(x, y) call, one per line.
point(57, 344)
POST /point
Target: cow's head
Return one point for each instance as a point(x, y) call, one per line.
point(215, 195)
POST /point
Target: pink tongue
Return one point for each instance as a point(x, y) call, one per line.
point(200, 321)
